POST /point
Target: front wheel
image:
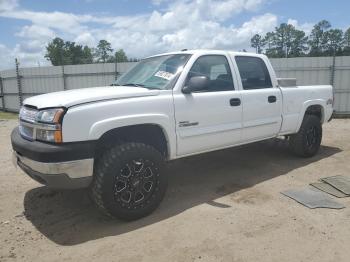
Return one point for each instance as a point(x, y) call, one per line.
point(307, 141)
point(129, 182)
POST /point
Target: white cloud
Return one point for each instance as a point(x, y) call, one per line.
point(31, 51)
point(158, 2)
point(306, 27)
point(6, 58)
point(36, 33)
point(183, 24)
point(29, 57)
point(7, 5)
point(25, 57)
point(85, 38)
point(213, 35)
point(63, 22)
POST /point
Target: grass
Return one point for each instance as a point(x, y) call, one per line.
point(6, 115)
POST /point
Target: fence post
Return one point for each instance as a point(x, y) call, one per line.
point(333, 71)
point(64, 78)
point(19, 85)
point(2, 95)
point(116, 71)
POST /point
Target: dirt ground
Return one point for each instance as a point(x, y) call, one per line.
point(220, 206)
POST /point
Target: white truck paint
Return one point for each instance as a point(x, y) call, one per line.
point(94, 111)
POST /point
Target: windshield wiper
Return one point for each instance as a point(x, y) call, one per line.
point(133, 84)
point(137, 85)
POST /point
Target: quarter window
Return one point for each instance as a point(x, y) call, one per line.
point(217, 69)
point(253, 72)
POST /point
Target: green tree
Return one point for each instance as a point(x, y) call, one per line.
point(120, 56)
point(281, 41)
point(74, 53)
point(55, 51)
point(103, 51)
point(317, 38)
point(333, 42)
point(298, 45)
point(286, 41)
point(60, 52)
point(347, 37)
point(269, 43)
point(257, 42)
point(79, 54)
point(346, 41)
point(87, 57)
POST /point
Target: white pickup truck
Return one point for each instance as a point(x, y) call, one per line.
point(115, 139)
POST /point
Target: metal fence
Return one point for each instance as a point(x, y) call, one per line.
point(16, 85)
point(320, 71)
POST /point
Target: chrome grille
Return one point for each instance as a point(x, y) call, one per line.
point(27, 117)
point(26, 131)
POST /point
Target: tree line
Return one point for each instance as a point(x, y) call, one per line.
point(284, 41)
point(60, 52)
point(287, 41)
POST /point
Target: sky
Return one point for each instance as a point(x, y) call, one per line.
point(144, 28)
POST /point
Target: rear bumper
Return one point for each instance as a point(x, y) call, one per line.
point(328, 113)
point(65, 166)
point(330, 119)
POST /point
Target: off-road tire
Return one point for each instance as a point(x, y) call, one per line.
point(307, 141)
point(122, 170)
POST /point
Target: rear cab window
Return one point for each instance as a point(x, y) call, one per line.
point(254, 73)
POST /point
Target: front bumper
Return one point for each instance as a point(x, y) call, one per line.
point(57, 166)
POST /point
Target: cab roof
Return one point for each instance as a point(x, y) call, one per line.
point(209, 51)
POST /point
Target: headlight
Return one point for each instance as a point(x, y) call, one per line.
point(49, 129)
point(44, 125)
point(51, 116)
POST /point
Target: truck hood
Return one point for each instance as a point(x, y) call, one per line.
point(86, 95)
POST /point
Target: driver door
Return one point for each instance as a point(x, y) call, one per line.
point(211, 118)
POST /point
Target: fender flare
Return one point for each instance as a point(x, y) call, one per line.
point(101, 127)
point(306, 105)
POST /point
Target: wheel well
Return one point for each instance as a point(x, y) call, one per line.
point(315, 110)
point(150, 134)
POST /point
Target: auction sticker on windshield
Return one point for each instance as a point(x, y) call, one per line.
point(163, 74)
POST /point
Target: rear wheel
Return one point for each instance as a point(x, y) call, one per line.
point(128, 181)
point(307, 141)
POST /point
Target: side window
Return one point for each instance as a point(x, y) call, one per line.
point(254, 73)
point(217, 69)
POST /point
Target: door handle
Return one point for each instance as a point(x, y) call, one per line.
point(235, 102)
point(272, 99)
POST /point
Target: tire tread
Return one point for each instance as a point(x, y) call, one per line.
point(296, 141)
point(100, 171)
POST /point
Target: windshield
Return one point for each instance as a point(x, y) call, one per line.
point(155, 72)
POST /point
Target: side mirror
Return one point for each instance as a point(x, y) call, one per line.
point(196, 83)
